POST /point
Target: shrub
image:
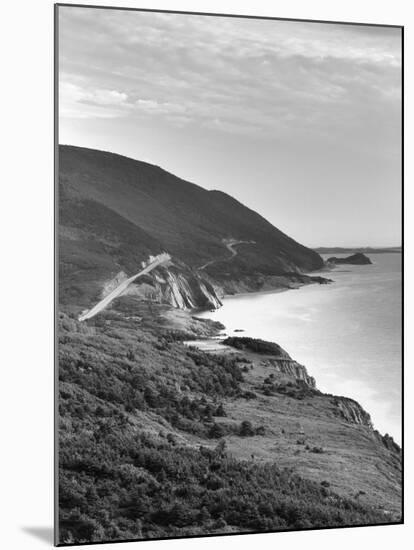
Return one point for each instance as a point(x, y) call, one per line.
point(317, 450)
point(260, 430)
point(220, 411)
point(216, 431)
point(248, 395)
point(246, 429)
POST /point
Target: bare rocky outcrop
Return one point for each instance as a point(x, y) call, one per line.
point(177, 286)
point(388, 442)
point(351, 411)
point(294, 370)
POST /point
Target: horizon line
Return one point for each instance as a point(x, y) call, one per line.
point(345, 247)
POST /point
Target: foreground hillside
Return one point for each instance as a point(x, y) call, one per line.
point(114, 212)
point(158, 438)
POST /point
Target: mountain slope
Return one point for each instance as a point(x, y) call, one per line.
point(115, 211)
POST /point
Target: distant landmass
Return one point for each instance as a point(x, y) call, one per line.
point(364, 250)
point(354, 259)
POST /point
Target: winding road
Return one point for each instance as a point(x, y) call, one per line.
point(158, 260)
point(230, 244)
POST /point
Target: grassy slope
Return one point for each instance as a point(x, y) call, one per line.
point(96, 243)
point(353, 459)
point(135, 407)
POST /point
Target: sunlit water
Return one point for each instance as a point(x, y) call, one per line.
point(347, 334)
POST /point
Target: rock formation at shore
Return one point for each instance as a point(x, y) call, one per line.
point(276, 357)
point(355, 259)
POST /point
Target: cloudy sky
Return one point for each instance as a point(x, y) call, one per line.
point(299, 121)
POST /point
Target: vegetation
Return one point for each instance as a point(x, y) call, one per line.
point(128, 401)
point(296, 389)
point(127, 485)
point(256, 345)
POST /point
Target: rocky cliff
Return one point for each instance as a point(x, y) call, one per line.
point(177, 286)
point(351, 411)
point(174, 285)
point(296, 371)
point(271, 354)
point(274, 356)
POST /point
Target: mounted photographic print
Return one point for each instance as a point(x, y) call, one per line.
point(229, 288)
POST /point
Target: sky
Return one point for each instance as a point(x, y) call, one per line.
point(299, 121)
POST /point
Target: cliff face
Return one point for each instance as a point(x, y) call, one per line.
point(274, 356)
point(296, 371)
point(351, 411)
point(174, 285)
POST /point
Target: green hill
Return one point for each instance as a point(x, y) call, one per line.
point(115, 211)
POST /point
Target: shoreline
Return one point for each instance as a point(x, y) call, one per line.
point(212, 344)
point(276, 290)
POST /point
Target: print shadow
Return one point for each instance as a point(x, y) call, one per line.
point(44, 534)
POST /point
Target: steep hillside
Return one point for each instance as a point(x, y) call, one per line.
point(115, 211)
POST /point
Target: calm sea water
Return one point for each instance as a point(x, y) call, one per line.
point(347, 334)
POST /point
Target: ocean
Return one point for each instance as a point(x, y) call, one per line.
point(347, 334)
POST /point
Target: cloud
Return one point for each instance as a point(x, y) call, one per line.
point(78, 102)
point(155, 107)
point(272, 78)
point(108, 97)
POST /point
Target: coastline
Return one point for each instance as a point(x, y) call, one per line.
point(354, 390)
point(349, 445)
point(216, 344)
point(290, 425)
point(311, 278)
